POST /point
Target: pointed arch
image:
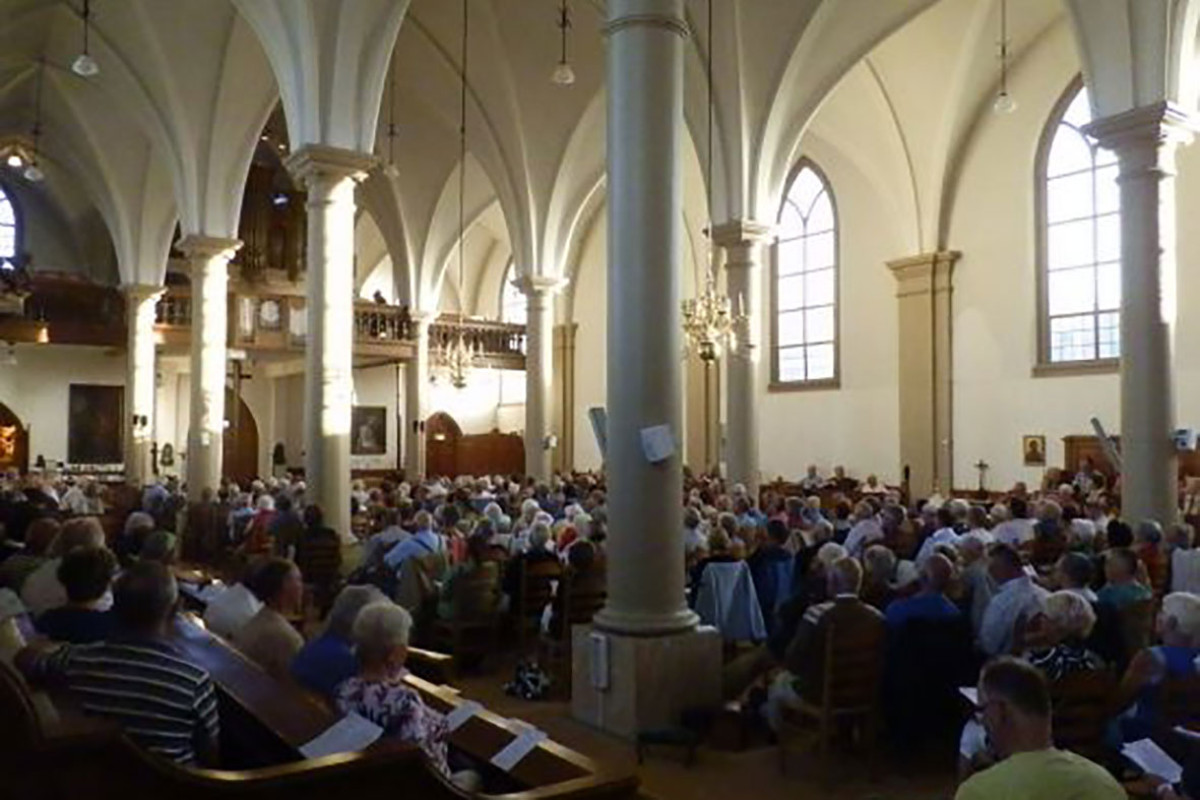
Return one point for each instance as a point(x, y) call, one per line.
point(1078, 239)
point(804, 290)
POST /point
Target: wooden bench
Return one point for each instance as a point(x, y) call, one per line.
point(274, 720)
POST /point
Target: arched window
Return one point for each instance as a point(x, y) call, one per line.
point(512, 300)
point(806, 294)
point(1079, 240)
point(512, 310)
point(8, 227)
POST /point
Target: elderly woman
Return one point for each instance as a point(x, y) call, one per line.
point(879, 569)
point(378, 692)
point(1066, 622)
point(1177, 657)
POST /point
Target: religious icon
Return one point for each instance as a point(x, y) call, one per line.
point(1034, 448)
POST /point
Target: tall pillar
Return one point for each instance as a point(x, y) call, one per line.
point(742, 241)
point(208, 262)
point(1145, 140)
point(416, 398)
point(923, 290)
point(539, 354)
point(329, 175)
point(141, 302)
point(564, 394)
point(658, 663)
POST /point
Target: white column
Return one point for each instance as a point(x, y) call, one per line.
point(416, 398)
point(140, 303)
point(646, 40)
point(208, 259)
point(539, 370)
point(1145, 140)
point(742, 241)
point(329, 176)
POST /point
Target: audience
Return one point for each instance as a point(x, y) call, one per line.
point(931, 601)
point(1121, 588)
point(42, 590)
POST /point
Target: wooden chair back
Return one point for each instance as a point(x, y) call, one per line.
point(1179, 699)
point(476, 597)
point(1082, 706)
point(21, 731)
point(1136, 623)
point(854, 664)
point(585, 594)
point(535, 591)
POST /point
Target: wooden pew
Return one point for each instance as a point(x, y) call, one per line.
point(81, 757)
point(282, 718)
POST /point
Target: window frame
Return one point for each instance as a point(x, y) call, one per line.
point(1043, 365)
point(18, 222)
point(817, 384)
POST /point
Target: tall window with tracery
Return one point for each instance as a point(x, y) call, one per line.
point(1080, 241)
point(806, 294)
point(8, 227)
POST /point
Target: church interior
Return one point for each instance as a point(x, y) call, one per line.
point(600, 398)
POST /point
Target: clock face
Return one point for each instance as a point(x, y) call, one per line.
point(268, 313)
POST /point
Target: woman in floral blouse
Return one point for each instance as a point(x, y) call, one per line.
point(378, 692)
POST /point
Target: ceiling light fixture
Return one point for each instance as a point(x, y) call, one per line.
point(390, 170)
point(33, 172)
point(84, 65)
point(456, 359)
point(709, 321)
point(14, 161)
point(1005, 104)
point(563, 74)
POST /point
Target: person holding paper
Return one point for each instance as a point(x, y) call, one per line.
point(378, 692)
point(1177, 656)
point(1014, 698)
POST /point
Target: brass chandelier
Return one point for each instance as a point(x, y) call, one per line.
point(456, 359)
point(709, 320)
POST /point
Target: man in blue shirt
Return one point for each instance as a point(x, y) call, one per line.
point(423, 542)
point(931, 602)
point(328, 660)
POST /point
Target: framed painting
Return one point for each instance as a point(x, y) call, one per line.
point(368, 431)
point(1034, 450)
point(94, 424)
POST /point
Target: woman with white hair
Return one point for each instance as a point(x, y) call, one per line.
point(379, 693)
point(1065, 624)
point(1177, 657)
point(328, 660)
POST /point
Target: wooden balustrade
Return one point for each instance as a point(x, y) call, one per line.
point(378, 329)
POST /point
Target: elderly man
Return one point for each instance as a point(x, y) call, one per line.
point(269, 638)
point(931, 601)
point(945, 534)
point(1017, 530)
point(804, 659)
point(423, 542)
point(1018, 599)
point(165, 703)
point(865, 531)
point(1015, 702)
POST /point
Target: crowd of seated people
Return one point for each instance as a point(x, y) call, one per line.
point(1041, 584)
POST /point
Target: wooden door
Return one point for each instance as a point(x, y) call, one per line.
point(442, 435)
point(239, 461)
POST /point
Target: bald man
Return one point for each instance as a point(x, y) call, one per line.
point(930, 602)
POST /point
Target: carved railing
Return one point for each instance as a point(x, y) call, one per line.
point(174, 310)
point(375, 326)
point(485, 337)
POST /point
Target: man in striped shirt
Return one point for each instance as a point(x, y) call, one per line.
point(162, 702)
